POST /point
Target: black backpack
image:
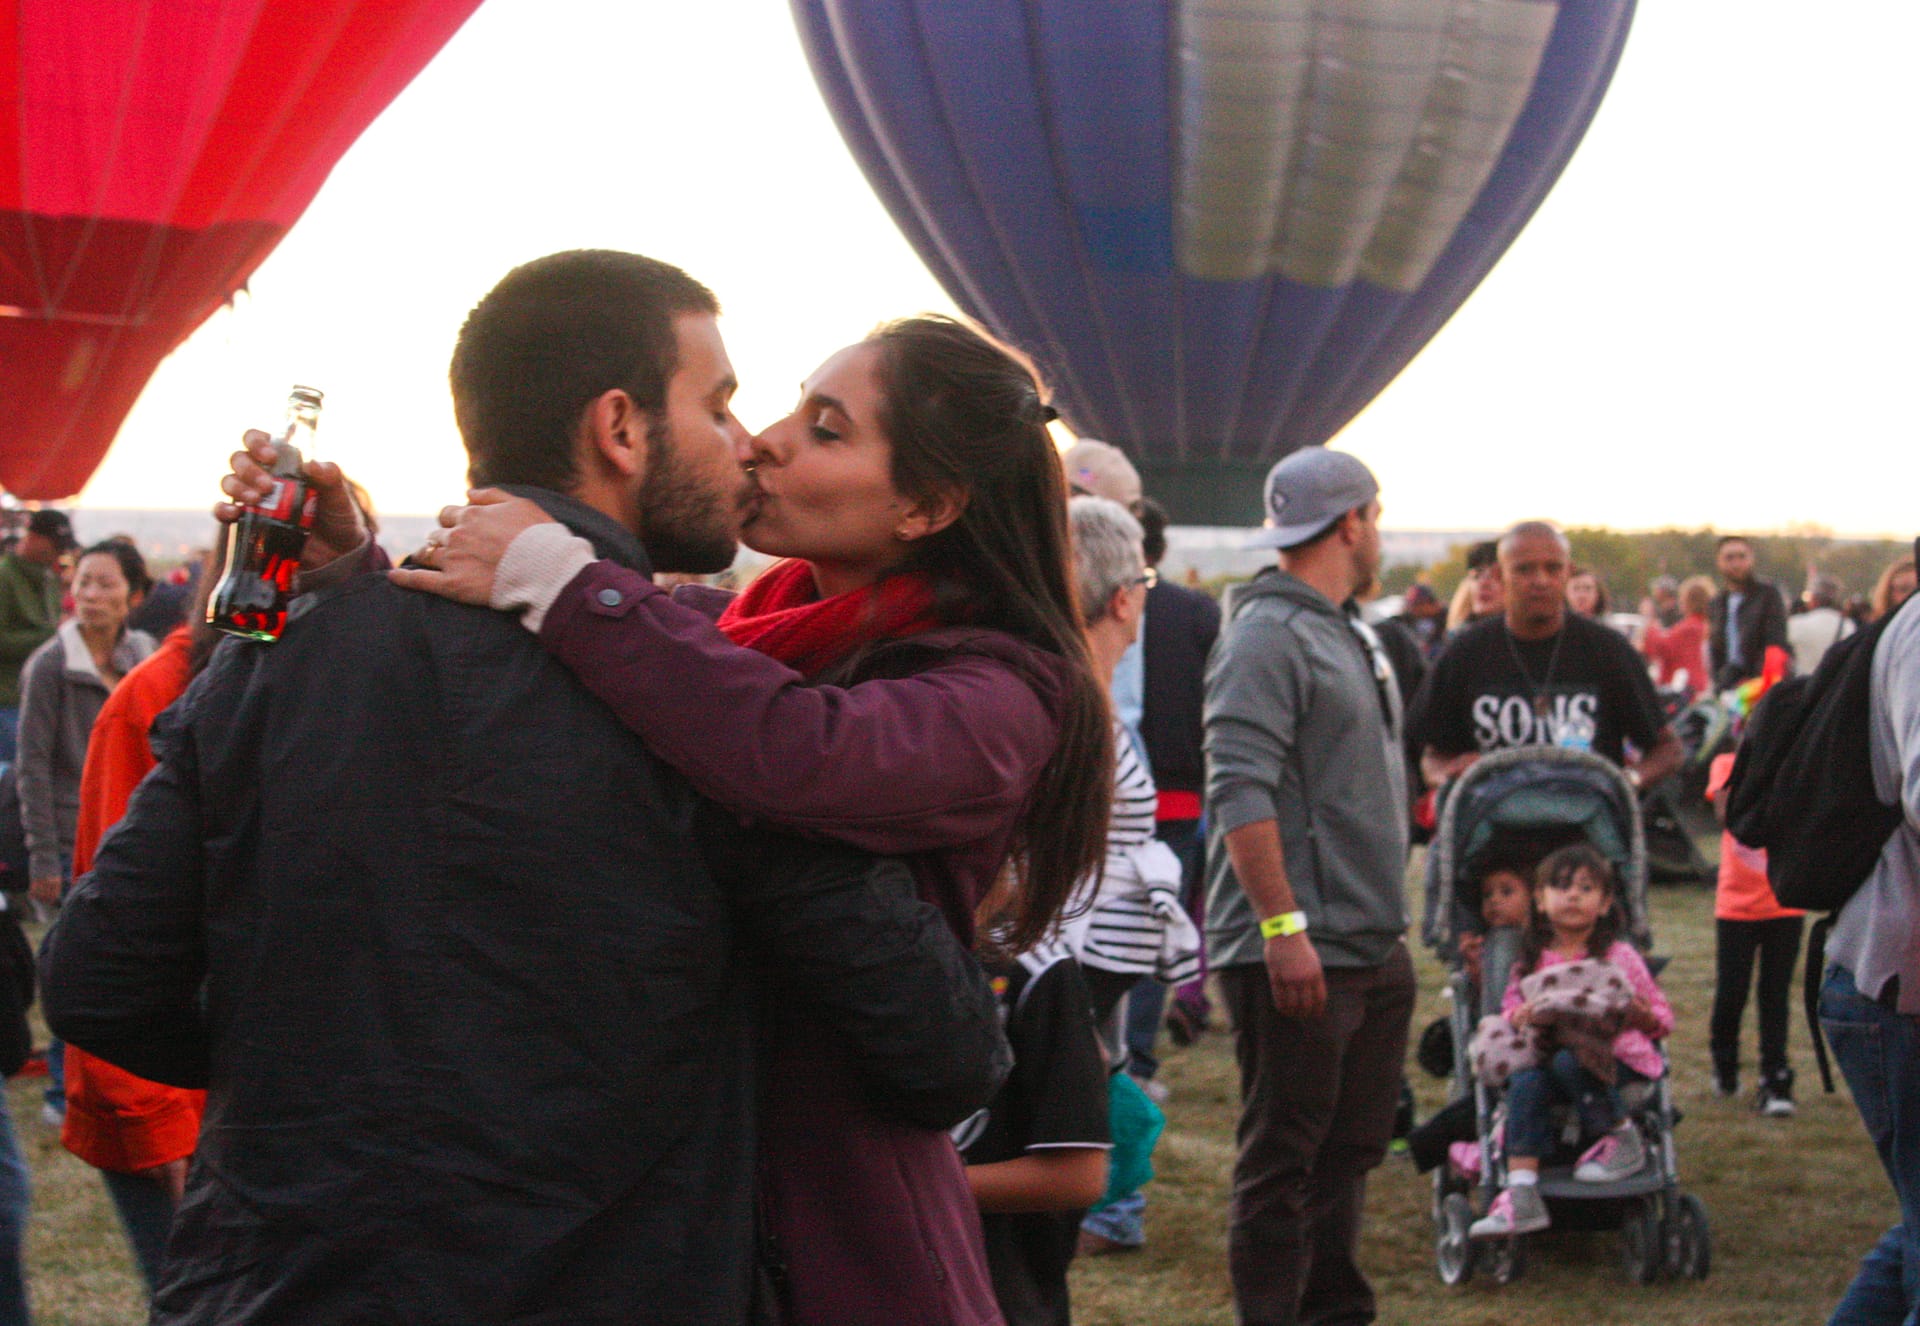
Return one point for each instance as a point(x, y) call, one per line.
point(1802, 785)
point(1802, 789)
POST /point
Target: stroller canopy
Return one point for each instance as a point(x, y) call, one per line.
point(1541, 795)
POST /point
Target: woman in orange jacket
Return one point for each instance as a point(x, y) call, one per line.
point(138, 1134)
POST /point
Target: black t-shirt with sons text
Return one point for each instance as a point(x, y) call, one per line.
point(1584, 688)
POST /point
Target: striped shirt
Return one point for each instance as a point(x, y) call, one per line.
point(1134, 797)
point(1135, 900)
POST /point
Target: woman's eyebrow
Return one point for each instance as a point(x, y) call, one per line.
point(820, 398)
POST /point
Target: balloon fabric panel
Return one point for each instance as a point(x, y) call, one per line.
point(151, 156)
point(1219, 226)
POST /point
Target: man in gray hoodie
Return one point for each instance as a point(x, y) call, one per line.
point(1307, 809)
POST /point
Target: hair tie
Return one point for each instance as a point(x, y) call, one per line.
point(1048, 414)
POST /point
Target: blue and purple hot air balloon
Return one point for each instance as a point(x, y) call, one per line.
point(1220, 227)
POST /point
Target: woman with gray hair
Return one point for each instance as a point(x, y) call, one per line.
point(1126, 922)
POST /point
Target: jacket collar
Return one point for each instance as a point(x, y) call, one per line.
point(610, 539)
point(78, 659)
point(1273, 582)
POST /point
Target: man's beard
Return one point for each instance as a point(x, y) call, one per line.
point(685, 526)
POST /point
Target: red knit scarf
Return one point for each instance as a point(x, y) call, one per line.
point(782, 614)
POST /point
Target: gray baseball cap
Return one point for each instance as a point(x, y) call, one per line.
point(1308, 491)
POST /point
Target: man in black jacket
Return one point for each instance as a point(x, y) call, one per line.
point(469, 976)
point(1176, 637)
point(1746, 616)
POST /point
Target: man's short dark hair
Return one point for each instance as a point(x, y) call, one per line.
point(552, 337)
point(1483, 554)
point(1153, 522)
point(1725, 539)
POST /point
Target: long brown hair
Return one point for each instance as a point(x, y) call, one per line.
point(1602, 601)
point(1557, 871)
point(966, 420)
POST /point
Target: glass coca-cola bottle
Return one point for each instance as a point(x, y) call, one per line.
point(263, 545)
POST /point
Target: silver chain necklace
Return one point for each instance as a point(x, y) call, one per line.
point(1537, 693)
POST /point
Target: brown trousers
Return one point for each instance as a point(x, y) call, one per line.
point(1317, 1105)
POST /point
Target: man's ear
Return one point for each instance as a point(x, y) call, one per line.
point(616, 434)
point(931, 514)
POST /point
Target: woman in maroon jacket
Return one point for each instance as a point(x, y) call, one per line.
point(914, 681)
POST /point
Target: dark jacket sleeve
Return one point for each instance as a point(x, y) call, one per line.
point(1773, 625)
point(849, 935)
point(121, 968)
point(16, 995)
point(909, 764)
point(1717, 635)
point(363, 560)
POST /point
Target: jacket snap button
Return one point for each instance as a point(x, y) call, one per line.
point(610, 597)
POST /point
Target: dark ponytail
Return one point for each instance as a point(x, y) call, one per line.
point(965, 419)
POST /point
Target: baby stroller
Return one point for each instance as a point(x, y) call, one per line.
point(1539, 798)
point(1675, 810)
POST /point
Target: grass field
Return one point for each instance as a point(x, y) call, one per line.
point(1793, 1203)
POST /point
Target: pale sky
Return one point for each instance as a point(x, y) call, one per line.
point(1712, 319)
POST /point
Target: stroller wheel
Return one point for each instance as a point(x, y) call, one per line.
point(1507, 1260)
point(1452, 1250)
point(1641, 1246)
point(1689, 1241)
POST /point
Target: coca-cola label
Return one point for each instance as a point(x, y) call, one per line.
point(281, 501)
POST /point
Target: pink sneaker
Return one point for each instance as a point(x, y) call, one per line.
point(1618, 1155)
point(1518, 1210)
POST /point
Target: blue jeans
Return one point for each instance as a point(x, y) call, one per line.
point(15, 1196)
point(146, 1214)
point(1125, 1222)
point(9, 732)
point(1145, 1003)
point(1878, 1051)
point(1533, 1093)
point(56, 1090)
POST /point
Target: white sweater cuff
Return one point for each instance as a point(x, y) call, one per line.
point(541, 561)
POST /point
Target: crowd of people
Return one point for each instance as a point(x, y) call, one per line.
point(78, 630)
point(518, 938)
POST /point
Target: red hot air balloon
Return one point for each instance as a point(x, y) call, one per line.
point(152, 153)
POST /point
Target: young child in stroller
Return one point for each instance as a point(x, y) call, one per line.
point(1575, 920)
point(1506, 902)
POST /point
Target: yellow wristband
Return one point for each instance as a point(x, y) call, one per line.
point(1287, 923)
